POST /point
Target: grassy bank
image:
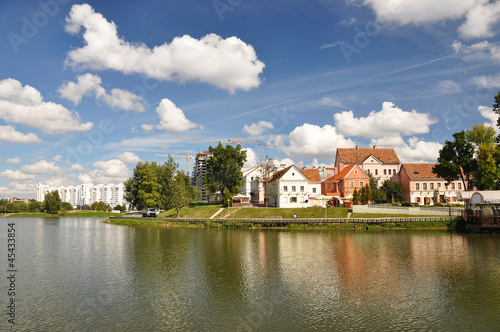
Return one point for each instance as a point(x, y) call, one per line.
point(63, 214)
point(193, 210)
point(310, 212)
point(444, 224)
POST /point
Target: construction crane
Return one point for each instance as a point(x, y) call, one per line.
point(174, 156)
point(229, 140)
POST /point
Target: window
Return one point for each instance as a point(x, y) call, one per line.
point(251, 179)
point(385, 171)
point(417, 186)
point(394, 171)
point(368, 171)
point(446, 185)
point(438, 185)
point(293, 199)
point(431, 186)
point(389, 172)
point(355, 171)
point(285, 188)
point(314, 190)
point(418, 199)
point(361, 184)
point(302, 188)
point(351, 184)
point(424, 186)
point(459, 186)
point(453, 185)
point(376, 172)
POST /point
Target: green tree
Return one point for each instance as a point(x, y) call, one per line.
point(143, 189)
point(355, 197)
point(392, 189)
point(487, 173)
point(35, 206)
point(52, 202)
point(181, 193)
point(365, 194)
point(496, 109)
point(456, 161)
point(224, 169)
point(100, 206)
point(377, 194)
point(66, 206)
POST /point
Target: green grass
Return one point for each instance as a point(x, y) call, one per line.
point(194, 210)
point(64, 214)
point(310, 212)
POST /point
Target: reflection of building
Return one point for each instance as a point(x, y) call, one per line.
point(199, 170)
point(85, 194)
point(380, 163)
point(420, 185)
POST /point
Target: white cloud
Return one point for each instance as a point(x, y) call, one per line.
point(256, 129)
point(147, 128)
point(77, 168)
point(313, 141)
point(57, 157)
point(330, 45)
point(15, 160)
point(480, 21)
point(42, 167)
point(22, 189)
point(327, 101)
point(129, 158)
point(487, 81)
point(10, 134)
point(482, 51)
point(25, 105)
point(90, 84)
point(229, 63)
point(487, 113)
point(172, 118)
point(251, 158)
point(448, 87)
point(389, 121)
point(16, 175)
point(111, 171)
point(417, 151)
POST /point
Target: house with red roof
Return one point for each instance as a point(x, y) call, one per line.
point(340, 187)
point(380, 163)
point(293, 187)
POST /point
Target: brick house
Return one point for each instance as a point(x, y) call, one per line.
point(342, 185)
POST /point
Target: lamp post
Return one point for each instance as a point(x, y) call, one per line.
point(228, 206)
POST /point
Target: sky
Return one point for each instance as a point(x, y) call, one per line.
point(88, 89)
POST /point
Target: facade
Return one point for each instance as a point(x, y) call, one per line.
point(341, 186)
point(420, 185)
point(291, 187)
point(85, 194)
point(199, 170)
point(253, 185)
point(380, 163)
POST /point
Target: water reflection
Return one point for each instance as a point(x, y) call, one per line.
point(80, 274)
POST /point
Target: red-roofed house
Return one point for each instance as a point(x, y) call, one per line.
point(291, 187)
point(380, 163)
point(342, 185)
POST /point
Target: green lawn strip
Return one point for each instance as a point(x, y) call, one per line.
point(306, 213)
point(194, 210)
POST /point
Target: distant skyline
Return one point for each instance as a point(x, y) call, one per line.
point(88, 89)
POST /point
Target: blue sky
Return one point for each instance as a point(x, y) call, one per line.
point(89, 89)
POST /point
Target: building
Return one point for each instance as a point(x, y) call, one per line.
point(420, 185)
point(291, 187)
point(85, 194)
point(253, 185)
point(380, 163)
point(340, 187)
point(199, 170)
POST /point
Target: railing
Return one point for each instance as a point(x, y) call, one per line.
point(448, 210)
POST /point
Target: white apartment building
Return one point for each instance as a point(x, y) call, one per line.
point(85, 194)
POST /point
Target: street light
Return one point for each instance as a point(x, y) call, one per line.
point(228, 206)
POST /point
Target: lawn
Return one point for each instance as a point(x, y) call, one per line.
point(194, 210)
point(310, 212)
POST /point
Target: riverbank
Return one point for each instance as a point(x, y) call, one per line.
point(62, 214)
point(375, 223)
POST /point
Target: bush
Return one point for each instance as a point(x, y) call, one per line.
point(405, 204)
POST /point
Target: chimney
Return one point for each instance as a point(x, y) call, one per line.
point(374, 147)
point(357, 147)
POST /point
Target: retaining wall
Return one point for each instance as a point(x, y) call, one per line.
point(415, 210)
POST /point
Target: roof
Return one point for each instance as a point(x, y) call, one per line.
point(487, 196)
point(278, 174)
point(312, 174)
point(344, 173)
point(420, 171)
point(359, 155)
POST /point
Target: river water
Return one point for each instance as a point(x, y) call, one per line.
point(79, 274)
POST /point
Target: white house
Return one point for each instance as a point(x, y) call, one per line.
point(292, 187)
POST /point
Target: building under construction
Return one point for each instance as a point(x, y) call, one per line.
point(199, 170)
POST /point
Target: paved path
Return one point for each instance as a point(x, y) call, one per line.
point(6, 215)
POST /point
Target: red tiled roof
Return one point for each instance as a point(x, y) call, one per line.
point(312, 174)
point(358, 155)
point(420, 171)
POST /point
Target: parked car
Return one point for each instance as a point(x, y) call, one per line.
point(151, 212)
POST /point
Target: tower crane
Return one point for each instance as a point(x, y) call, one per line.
point(229, 140)
point(174, 156)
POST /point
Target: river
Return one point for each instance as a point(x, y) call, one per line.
point(79, 274)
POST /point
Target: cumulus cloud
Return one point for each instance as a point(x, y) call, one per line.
point(482, 51)
point(10, 134)
point(77, 168)
point(229, 63)
point(172, 118)
point(147, 128)
point(90, 85)
point(487, 113)
point(105, 172)
point(251, 158)
point(480, 21)
point(15, 160)
point(311, 140)
point(417, 151)
point(25, 105)
point(129, 158)
point(42, 167)
point(16, 175)
point(389, 121)
point(256, 129)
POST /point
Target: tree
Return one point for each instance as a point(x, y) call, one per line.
point(224, 169)
point(355, 197)
point(456, 161)
point(266, 171)
point(35, 206)
point(52, 202)
point(143, 189)
point(496, 109)
point(377, 195)
point(365, 194)
point(180, 192)
point(487, 173)
point(66, 206)
point(392, 189)
point(100, 206)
